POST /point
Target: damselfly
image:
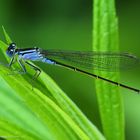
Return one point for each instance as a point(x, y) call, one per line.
point(104, 61)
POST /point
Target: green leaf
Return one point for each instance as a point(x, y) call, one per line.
point(44, 112)
point(8, 39)
point(109, 98)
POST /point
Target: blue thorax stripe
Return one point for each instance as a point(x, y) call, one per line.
point(26, 51)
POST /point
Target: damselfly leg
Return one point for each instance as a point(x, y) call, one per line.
point(12, 61)
point(22, 65)
point(38, 71)
point(14, 72)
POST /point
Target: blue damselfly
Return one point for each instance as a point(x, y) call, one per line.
point(104, 61)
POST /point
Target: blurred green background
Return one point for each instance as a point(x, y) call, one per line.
point(67, 24)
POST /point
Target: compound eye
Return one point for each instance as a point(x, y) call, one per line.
point(11, 49)
point(13, 45)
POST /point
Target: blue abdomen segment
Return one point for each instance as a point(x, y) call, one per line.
point(46, 60)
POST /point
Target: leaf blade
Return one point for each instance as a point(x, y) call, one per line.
point(109, 98)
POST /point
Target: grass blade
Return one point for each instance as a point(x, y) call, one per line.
point(109, 98)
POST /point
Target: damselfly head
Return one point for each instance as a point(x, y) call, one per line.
point(11, 49)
